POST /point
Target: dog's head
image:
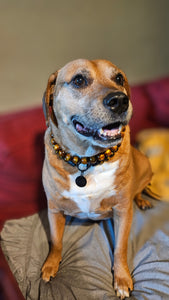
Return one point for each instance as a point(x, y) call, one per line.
point(89, 102)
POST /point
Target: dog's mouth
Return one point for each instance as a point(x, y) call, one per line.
point(110, 132)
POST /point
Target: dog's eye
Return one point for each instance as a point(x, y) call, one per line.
point(119, 79)
point(79, 81)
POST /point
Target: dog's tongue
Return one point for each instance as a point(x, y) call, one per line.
point(81, 128)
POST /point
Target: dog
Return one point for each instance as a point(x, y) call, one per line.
point(90, 169)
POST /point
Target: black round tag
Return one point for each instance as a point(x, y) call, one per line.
point(81, 181)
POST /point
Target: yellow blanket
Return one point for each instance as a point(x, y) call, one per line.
point(154, 143)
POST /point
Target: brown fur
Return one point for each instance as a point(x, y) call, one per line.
point(61, 101)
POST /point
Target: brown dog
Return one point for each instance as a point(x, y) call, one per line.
point(90, 168)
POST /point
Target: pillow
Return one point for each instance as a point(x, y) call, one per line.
point(158, 93)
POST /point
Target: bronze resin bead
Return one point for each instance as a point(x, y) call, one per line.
point(93, 160)
point(75, 159)
point(53, 141)
point(114, 148)
point(101, 157)
point(84, 160)
point(67, 157)
point(61, 153)
point(56, 147)
point(108, 152)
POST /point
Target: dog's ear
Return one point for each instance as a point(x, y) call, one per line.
point(48, 99)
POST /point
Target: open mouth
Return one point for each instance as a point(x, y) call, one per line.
point(110, 132)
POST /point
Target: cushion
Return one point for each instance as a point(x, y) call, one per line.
point(154, 143)
point(86, 268)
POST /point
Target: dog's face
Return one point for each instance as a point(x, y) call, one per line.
point(91, 101)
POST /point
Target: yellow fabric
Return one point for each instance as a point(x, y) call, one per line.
point(154, 143)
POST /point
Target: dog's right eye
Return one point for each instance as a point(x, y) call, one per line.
point(119, 79)
point(79, 81)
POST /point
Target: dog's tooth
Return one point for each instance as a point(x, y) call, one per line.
point(100, 131)
point(120, 128)
point(109, 133)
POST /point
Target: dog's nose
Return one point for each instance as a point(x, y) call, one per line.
point(118, 102)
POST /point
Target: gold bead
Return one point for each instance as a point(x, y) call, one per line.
point(101, 157)
point(56, 147)
point(122, 134)
point(115, 148)
point(84, 160)
point(108, 152)
point(75, 159)
point(123, 129)
point(93, 160)
point(61, 153)
point(53, 142)
point(67, 157)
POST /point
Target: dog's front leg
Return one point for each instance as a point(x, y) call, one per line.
point(57, 225)
point(122, 279)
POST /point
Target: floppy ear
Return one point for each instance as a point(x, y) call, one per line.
point(48, 99)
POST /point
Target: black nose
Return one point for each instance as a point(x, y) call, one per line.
point(118, 102)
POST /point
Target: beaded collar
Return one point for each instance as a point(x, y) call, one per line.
point(85, 162)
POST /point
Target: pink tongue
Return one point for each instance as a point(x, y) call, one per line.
point(80, 127)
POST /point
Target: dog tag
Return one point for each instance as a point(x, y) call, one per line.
point(81, 181)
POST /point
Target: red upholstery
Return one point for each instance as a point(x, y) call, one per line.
point(21, 157)
point(150, 106)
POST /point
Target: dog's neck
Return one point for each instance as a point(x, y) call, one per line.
point(83, 162)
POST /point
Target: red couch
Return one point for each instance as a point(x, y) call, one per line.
point(22, 152)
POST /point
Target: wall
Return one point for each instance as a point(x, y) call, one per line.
point(38, 37)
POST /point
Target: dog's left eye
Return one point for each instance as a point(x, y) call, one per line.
point(119, 79)
point(79, 81)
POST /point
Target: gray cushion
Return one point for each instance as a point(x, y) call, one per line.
point(85, 271)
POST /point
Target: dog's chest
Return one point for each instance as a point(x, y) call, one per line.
point(100, 185)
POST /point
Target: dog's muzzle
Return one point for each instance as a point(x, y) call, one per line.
point(117, 102)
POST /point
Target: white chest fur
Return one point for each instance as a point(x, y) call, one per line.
point(100, 185)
